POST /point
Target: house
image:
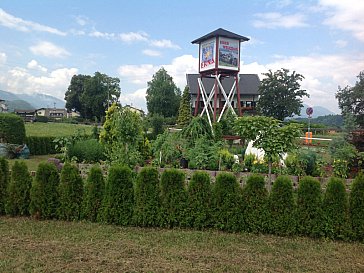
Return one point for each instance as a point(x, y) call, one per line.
point(3, 106)
point(27, 115)
point(248, 88)
point(54, 113)
point(135, 110)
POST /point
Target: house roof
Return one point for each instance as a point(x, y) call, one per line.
point(223, 33)
point(248, 83)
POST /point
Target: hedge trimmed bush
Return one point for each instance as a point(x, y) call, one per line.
point(357, 207)
point(18, 197)
point(70, 191)
point(336, 210)
point(255, 201)
point(282, 207)
point(12, 129)
point(89, 151)
point(309, 212)
point(173, 199)
point(200, 200)
point(147, 203)
point(44, 198)
point(93, 194)
point(41, 145)
point(4, 181)
point(227, 203)
point(118, 202)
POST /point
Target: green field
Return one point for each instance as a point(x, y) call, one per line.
point(32, 162)
point(54, 246)
point(53, 129)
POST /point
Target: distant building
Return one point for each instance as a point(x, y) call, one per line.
point(135, 110)
point(53, 113)
point(3, 106)
point(27, 115)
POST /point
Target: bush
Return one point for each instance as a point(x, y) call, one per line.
point(336, 210)
point(248, 161)
point(147, 204)
point(199, 200)
point(173, 198)
point(4, 181)
point(18, 197)
point(40, 145)
point(357, 207)
point(70, 191)
point(255, 199)
point(89, 151)
point(309, 213)
point(93, 194)
point(282, 207)
point(227, 203)
point(226, 159)
point(44, 199)
point(12, 129)
point(118, 202)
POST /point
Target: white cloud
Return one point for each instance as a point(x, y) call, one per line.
point(136, 99)
point(137, 74)
point(33, 64)
point(164, 44)
point(3, 58)
point(278, 20)
point(105, 35)
point(10, 21)
point(345, 15)
point(49, 49)
point(82, 20)
point(133, 36)
point(341, 43)
point(152, 53)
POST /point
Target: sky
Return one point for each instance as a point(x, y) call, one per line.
point(43, 43)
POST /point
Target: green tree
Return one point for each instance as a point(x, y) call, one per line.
point(163, 95)
point(351, 100)
point(184, 112)
point(4, 181)
point(91, 95)
point(12, 128)
point(281, 94)
point(356, 207)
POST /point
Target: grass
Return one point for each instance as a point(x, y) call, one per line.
point(32, 162)
point(54, 129)
point(28, 245)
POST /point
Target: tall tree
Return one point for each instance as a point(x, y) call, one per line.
point(351, 100)
point(91, 95)
point(163, 95)
point(184, 112)
point(281, 94)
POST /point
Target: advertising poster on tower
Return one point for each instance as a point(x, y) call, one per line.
point(207, 55)
point(229, 54)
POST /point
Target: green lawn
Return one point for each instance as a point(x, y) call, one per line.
point(32, 162)
point(55, 129)
point(54, 246)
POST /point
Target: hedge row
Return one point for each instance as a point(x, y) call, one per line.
point(147, 199)
point(12, 129)
point(39, 145)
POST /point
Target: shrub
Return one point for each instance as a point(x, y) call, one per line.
point(70, 191)
point(93, 194)
point(255, 199)
point(4, 181)
point(227, 203)
point(309, 213)
point(89, 151)
point(12, 129)
point(173, 198)
point(118, 202)
point(147, 204)
point(282, 207)
point(44, 199)
point(248, 161)
point(336, 210)
point(226, 159)
point(199, 200)
point(40, 145)
point(18, 197)
point(357, 207)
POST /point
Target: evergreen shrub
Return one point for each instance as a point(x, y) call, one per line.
point(199, 200)
point(93, 194)
point(357, 207)
point(12, 129)
point(255, 201)
point(44, 198)
point(4, 181)
point(336, 210)
point(173, 198)
point(227, 203)
point(40, 145)
point(309, 212)
point(89, 151)
point(18, 193)
point(147, 203)
point(118, 202)
point(70, 191)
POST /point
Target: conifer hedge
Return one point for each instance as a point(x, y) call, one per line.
point(147, 202)
point(12, 128)
point(41, 145)
point(357, 207)
point(93, 194)
point(70, 191)
point(118, 202)
point(44, 198)
point(4, 181)
point(18, 192)
point(282, 206)
point(200, 200)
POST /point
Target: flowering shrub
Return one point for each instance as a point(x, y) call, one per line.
point(341, 168)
